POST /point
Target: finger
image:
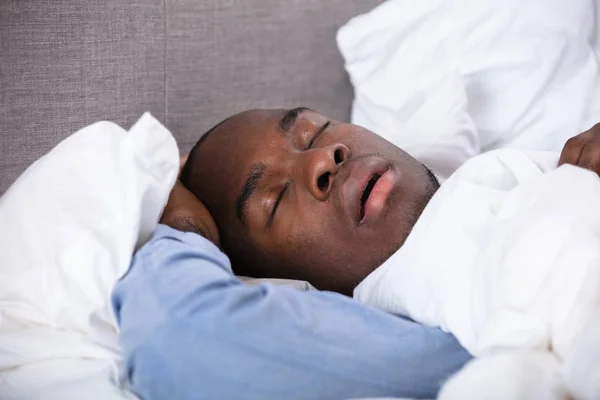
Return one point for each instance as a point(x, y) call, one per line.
point(182, 161)
point(590, 157)
point(572, 150)
point(594, 130)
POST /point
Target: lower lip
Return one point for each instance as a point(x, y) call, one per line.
point(379, 195)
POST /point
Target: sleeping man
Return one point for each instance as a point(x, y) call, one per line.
point(297, 195)
point(293, 194)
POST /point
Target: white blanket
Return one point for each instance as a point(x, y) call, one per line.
point(68, 228)
point(506, 256)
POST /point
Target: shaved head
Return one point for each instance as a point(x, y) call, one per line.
point(297, 195)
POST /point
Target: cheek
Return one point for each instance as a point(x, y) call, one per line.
point(324, 242)
point(311, 232)
point(297, 230)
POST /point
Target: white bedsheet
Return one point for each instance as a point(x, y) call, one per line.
point(447, 80)
point(68, 229)
point(506, 256)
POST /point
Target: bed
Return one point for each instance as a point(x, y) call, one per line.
point(190, 63)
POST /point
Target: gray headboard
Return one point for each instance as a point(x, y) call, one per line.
point(67, 63)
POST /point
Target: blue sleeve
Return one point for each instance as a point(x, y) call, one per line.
point(191, 330)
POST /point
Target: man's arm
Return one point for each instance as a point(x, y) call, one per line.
point(191, 330)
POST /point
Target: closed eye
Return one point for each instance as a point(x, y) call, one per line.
point(318, 134)
point(276, 205)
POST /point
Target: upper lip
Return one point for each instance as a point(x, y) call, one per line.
point(358, 176)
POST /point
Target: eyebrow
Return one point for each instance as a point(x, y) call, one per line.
point(250, 186)
point(289, 118)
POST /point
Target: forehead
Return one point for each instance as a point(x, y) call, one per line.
point(244, 140)
point(239, 133)
point(256, 125)
point(255, 129)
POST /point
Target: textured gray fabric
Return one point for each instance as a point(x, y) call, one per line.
point(67, 63)
point(227, 56)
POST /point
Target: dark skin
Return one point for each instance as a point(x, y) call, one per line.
point(186, 213)
point(303, 215)
point(319, 230)
point(583, 150)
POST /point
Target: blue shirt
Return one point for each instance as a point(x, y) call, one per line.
point(191, 330)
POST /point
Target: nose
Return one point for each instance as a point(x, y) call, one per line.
point(323, 164)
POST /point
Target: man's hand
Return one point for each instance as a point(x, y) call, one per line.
point(186, 213)
point(583, 150)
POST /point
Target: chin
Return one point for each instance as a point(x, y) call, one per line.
point(379, 256)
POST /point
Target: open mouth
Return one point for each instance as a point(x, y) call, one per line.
point(366, 193)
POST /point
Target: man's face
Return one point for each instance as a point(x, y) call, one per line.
point(300, 196)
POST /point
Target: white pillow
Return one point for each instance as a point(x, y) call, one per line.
point(446, 80)
point(68, 228)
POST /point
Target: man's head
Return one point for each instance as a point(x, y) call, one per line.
point(296, 195)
